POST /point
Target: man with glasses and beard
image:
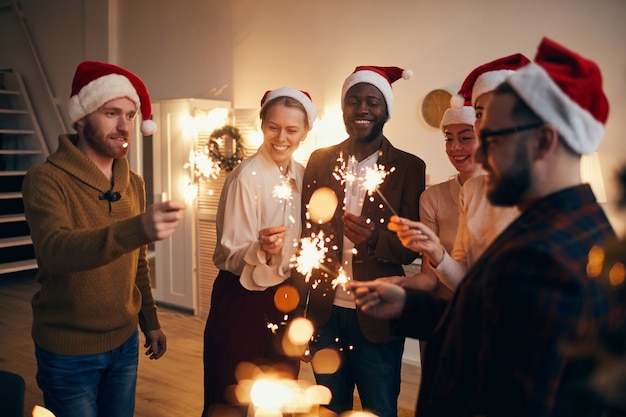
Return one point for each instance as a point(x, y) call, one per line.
point(359, 243)
point(496, 349)
point(90, 228)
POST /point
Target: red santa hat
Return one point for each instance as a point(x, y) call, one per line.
point(487, 77)
point(95, 83)
point(565, 90)
point(458, 114)
point(379, 77)
point(302, 96)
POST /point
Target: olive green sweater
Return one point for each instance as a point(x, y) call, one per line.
point(91, 252)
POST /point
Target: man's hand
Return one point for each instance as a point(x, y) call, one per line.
point(357, 228)
point(418, 237)
point(378, 298)
point(156, 343)
point(160, 219)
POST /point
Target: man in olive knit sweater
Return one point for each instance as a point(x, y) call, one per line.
point(90, 228)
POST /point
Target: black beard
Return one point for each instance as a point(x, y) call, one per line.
point(376, 131)
point(510, 189)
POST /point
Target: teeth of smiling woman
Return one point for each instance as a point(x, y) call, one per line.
point(280, 148)
point(360, 122)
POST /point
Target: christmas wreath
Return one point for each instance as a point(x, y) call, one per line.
point(229, 156)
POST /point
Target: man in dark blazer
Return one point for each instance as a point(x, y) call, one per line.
point(360, 244)
point(497, 348)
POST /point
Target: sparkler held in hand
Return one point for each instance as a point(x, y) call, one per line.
point(372, 179)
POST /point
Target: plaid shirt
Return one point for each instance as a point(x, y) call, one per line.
point(496, 348)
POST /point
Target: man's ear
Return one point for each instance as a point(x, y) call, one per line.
point(546, 142)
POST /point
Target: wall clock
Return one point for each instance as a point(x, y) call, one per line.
point(434, 106)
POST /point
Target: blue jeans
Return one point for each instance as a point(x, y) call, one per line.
point(100, 385)
point(374, 368)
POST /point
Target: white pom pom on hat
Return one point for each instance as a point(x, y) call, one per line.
point(379, 77)
point(96, 83)
point(458, 114)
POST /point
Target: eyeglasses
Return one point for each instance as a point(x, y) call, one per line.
point(485, 134)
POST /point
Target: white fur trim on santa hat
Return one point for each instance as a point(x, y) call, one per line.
point(377, 80)
point(98, 92)
point(297, 95)
point(577, 126)
point(487, 82)
point(465, 115)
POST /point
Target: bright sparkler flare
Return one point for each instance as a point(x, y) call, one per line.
point(283, 190)
point(310, 256)
point(342, 279)
point(373, 177)
point(345, 173)
point(202, 165)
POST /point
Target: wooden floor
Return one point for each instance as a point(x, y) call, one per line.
point(169, 387)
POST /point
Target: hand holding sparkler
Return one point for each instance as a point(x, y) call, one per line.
point(418, 237)
point(272, 240)
point(377, 298)
point(359, 229)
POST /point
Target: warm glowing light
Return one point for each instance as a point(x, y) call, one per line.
point(300, 331)
point(283, 190)
point(326, 361)
point(346, 171)
point(318, 394)
point(617, 274)
point(595, 261)
point(271, 393)
point(322, 205)
point(310, 255)
point(342, 279)
point(373, 177)
point(190, 191)
point(286, 298)
point(39, 411)
point(201, 165)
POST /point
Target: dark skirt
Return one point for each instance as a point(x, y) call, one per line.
point(236, 331)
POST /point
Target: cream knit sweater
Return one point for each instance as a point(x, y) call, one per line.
point(93, 271)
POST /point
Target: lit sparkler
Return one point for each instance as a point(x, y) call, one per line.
point(346, 172)
point(310, 256)
point(372, 179)
point(283, 192)
point(202, 165)
point(342, 279)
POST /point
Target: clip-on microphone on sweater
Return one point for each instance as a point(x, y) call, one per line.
point(110, 196)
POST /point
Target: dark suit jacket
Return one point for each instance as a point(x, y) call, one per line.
point(496, 349)
point(402, 189)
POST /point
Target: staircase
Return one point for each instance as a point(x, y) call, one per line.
point(21, 146)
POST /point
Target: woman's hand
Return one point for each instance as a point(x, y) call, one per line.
point(418, 237)
point(272, 240)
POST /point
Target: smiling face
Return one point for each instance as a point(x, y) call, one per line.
point(106, 132)
point(283, 129)
point(461, 145)
point(364, 112)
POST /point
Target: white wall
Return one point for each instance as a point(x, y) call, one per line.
point(240, 48)
point(315, 45)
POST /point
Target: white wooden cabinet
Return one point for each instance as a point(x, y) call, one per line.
point(180, 124)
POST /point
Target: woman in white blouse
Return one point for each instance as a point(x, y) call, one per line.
point(258, 222)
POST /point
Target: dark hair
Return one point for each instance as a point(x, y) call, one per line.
point(287, 102)
point(520, 109)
